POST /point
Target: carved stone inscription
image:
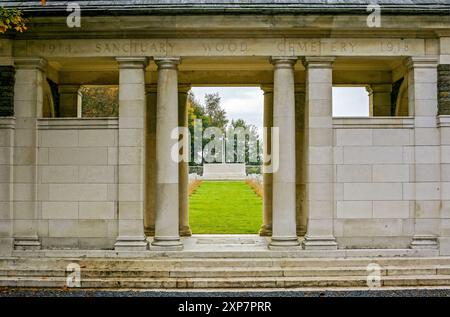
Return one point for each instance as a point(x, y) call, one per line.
point(226, 47)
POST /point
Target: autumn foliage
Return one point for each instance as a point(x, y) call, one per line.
point(11, 19)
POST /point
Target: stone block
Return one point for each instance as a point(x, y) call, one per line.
point(373, 155)
point(346, 137)
point(78, 156)
point(427, 172)
point(372, 227)
point(63, 228)
point(58, 138)
point(320, 173)
point(24, 209)
point(391, 209)
point(59, 210)
point(354, 173)
point(59, 174)
point(96, 174)
point(130, 192)
point(354, 209)
point(427, 154)
point(92, 138)
point(429, 191)
point(97, 210)
point(390, 173)
point(372, 191)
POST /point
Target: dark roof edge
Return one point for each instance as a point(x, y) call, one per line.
point(189, 9)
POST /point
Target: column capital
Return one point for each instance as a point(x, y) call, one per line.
point(30, 63)
point(421, 62)
point(318, 61)
point(151, 88)
point(132, 62)
point(267, 89)
point(167, 62)
point(283, 61)
point(184, 88)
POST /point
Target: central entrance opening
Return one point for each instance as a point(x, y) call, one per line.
point(225, 175)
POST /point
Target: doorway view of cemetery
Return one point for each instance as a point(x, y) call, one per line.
point(226, 149)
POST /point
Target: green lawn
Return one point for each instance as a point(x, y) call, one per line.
point(225, 207)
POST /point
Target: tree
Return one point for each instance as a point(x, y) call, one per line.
point(214, 113)
point(11, 19)
point(250, 142)
point(100, 101)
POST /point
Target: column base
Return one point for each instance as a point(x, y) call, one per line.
point(166, 244)
point(131, 244)
point(27, 243)
point(149, 231)
point(424, 242)
point(284, 243)
point(320, 243)
point(185, 231)
point(265, 231)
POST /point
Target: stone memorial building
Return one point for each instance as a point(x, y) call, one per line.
point(343, 183)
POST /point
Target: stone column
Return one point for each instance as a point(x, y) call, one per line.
point(381, 96)
point(283, 206)
point(300, 183)
point(68, 100)
point(150, 161)
point(183, 167)
point(422, 100)
point(167, 203)
point(319, 156)
point(266, 227)
point(28, 104)
point(132, 106)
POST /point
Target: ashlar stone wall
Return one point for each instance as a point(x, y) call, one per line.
point(374, 165)
point(78, 183)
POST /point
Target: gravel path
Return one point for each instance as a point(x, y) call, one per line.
point(287, 293)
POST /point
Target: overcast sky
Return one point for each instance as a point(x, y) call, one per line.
point(247, 102)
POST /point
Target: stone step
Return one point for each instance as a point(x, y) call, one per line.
point(164, 272)
point(236, 282)
point(127, 263)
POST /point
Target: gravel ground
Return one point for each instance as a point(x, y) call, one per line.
point(284, 293)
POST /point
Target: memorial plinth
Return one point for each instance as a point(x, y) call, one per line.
point(224, 171)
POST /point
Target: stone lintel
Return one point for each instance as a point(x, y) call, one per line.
point(267, 89)
point(184, 88)
point(381, 88)
point(68, 89)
